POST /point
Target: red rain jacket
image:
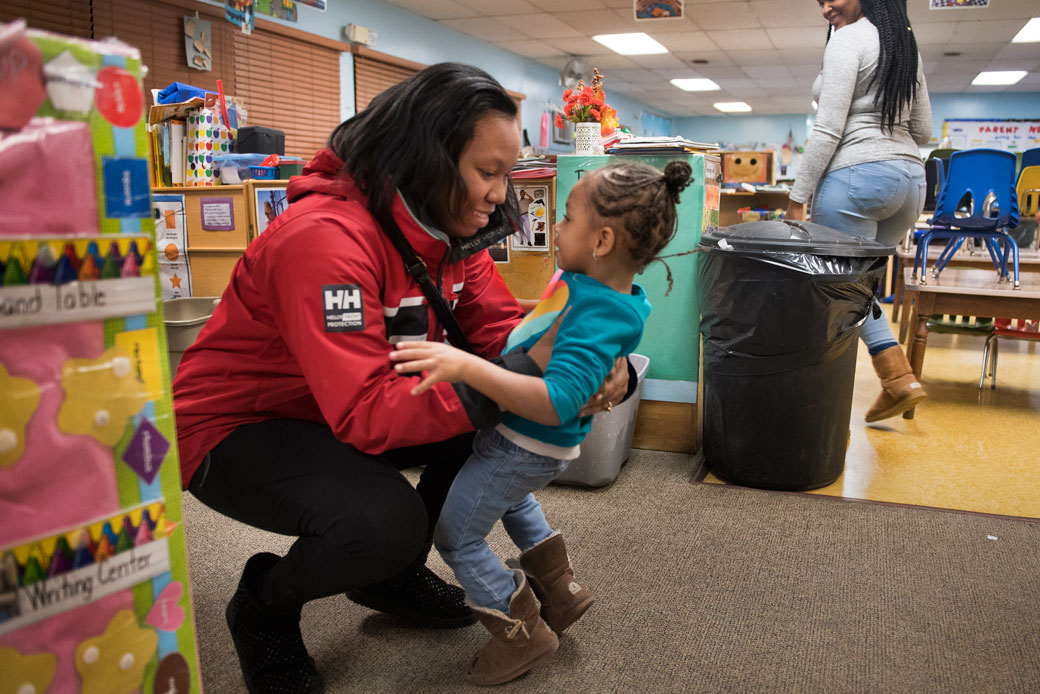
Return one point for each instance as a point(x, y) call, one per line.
point(305, 326)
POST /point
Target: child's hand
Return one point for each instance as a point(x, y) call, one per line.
point(441, 362)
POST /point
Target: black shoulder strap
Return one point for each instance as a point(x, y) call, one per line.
point(417, 269)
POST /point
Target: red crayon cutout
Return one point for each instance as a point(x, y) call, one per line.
point(89, 270)
point(70, 253)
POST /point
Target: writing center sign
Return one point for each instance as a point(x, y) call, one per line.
point(1010, 135)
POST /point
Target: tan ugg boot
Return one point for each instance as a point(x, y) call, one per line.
point(549, 570)
point(518, 642)
point(899, 387)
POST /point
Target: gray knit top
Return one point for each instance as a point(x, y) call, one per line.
point(848, 123)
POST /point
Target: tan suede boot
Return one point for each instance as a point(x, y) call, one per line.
point(899, 387)
point(549, 569)
point(518, 642)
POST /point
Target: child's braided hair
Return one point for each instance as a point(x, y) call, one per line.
point(644, 201)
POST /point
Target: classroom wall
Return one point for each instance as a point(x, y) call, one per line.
point(769, 129)
point(409, 36)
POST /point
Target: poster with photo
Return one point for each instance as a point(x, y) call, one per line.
point(171, 245)
point(658, 9)
point(270, 202)
point(534, 219)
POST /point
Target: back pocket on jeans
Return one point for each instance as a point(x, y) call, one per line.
point(876, 191)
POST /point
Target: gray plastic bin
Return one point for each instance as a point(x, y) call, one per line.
point(184, 320)
point(609, 443)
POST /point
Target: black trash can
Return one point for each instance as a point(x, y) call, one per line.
point(782, 303)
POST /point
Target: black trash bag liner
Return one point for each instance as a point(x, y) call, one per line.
point(769, 312)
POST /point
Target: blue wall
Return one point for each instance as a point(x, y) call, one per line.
point(751, 129)
point(409, 36)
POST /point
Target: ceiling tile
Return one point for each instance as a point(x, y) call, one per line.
point(483, 28)
point(601, 21)
point(939, 33)
point(733, 14)
point(436, 9)
point(713, 58)
point(756, 72)
point(745, 38)
point(723, 72)
point(660, 26)
point(771, 13)
point(686, 41)
point(798, 37)
point(493, 8)
point(577, 46)
point(657, 61)
point(567, 5)
point(983, 32)
point(768, 56)
point(529, 48)
point(540, 25)
point(610, 61)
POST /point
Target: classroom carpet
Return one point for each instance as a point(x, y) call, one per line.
point(701, 589)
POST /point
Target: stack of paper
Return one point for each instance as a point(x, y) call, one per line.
point(661, 144)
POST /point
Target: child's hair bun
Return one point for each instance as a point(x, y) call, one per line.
point(677, 175)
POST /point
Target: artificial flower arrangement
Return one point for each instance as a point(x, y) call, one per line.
point(586, 104)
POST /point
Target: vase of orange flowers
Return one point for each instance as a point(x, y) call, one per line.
point(592, 117)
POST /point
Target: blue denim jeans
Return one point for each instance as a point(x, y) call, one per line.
point(496, 482)
point(878, 200)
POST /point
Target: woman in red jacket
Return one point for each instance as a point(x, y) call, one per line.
point(289, 415)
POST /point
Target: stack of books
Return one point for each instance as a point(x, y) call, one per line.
point(661, 145)
point(535, 167)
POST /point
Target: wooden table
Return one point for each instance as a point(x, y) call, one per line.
point(1028, 261)
point(964, 293)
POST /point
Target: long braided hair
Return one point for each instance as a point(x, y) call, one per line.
point(896, 74)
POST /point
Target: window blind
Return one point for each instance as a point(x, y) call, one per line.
point(62, 16)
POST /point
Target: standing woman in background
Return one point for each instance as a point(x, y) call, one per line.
point(862, 159)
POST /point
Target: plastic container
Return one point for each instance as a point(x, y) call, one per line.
point(264, 173)
point(609, 443)
point(184, 319)
point(782, 303)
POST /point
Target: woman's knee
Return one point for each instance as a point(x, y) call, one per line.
point(389, 532)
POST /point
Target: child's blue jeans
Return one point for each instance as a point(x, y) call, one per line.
point(496, 482)
point(878, 200)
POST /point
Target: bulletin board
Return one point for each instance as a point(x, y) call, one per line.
point(995, 133)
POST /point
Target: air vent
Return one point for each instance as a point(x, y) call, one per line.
point(951, 54)
point(699, 61)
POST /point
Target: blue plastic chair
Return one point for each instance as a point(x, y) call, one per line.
point(1030, 157)
point(986, 178)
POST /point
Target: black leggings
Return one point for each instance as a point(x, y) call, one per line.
point(357, 518)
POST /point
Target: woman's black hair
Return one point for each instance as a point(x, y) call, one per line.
point(644, 200)
point(410, 137)
point(896, 73)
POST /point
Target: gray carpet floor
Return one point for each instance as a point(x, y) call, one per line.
point(702, 588)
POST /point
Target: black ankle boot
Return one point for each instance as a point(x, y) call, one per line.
point(420, 596)
point(270, 647)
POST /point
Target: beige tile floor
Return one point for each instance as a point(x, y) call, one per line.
point(965, 449)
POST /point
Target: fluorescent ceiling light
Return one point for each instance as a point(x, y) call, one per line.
point(1002, 77)
point(1030, 33)
point(732, 106)
point(696, 85)
point(630, 44)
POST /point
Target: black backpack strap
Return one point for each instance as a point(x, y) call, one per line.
point(417, 269)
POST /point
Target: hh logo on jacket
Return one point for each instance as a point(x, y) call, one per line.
point(343, 309)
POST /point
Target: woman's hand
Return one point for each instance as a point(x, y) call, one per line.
point(795, 210)
point(441, 362)
point(611, 392)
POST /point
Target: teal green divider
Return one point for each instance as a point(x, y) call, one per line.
point(671, 338)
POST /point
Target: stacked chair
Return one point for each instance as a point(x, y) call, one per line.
point(983, 182)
